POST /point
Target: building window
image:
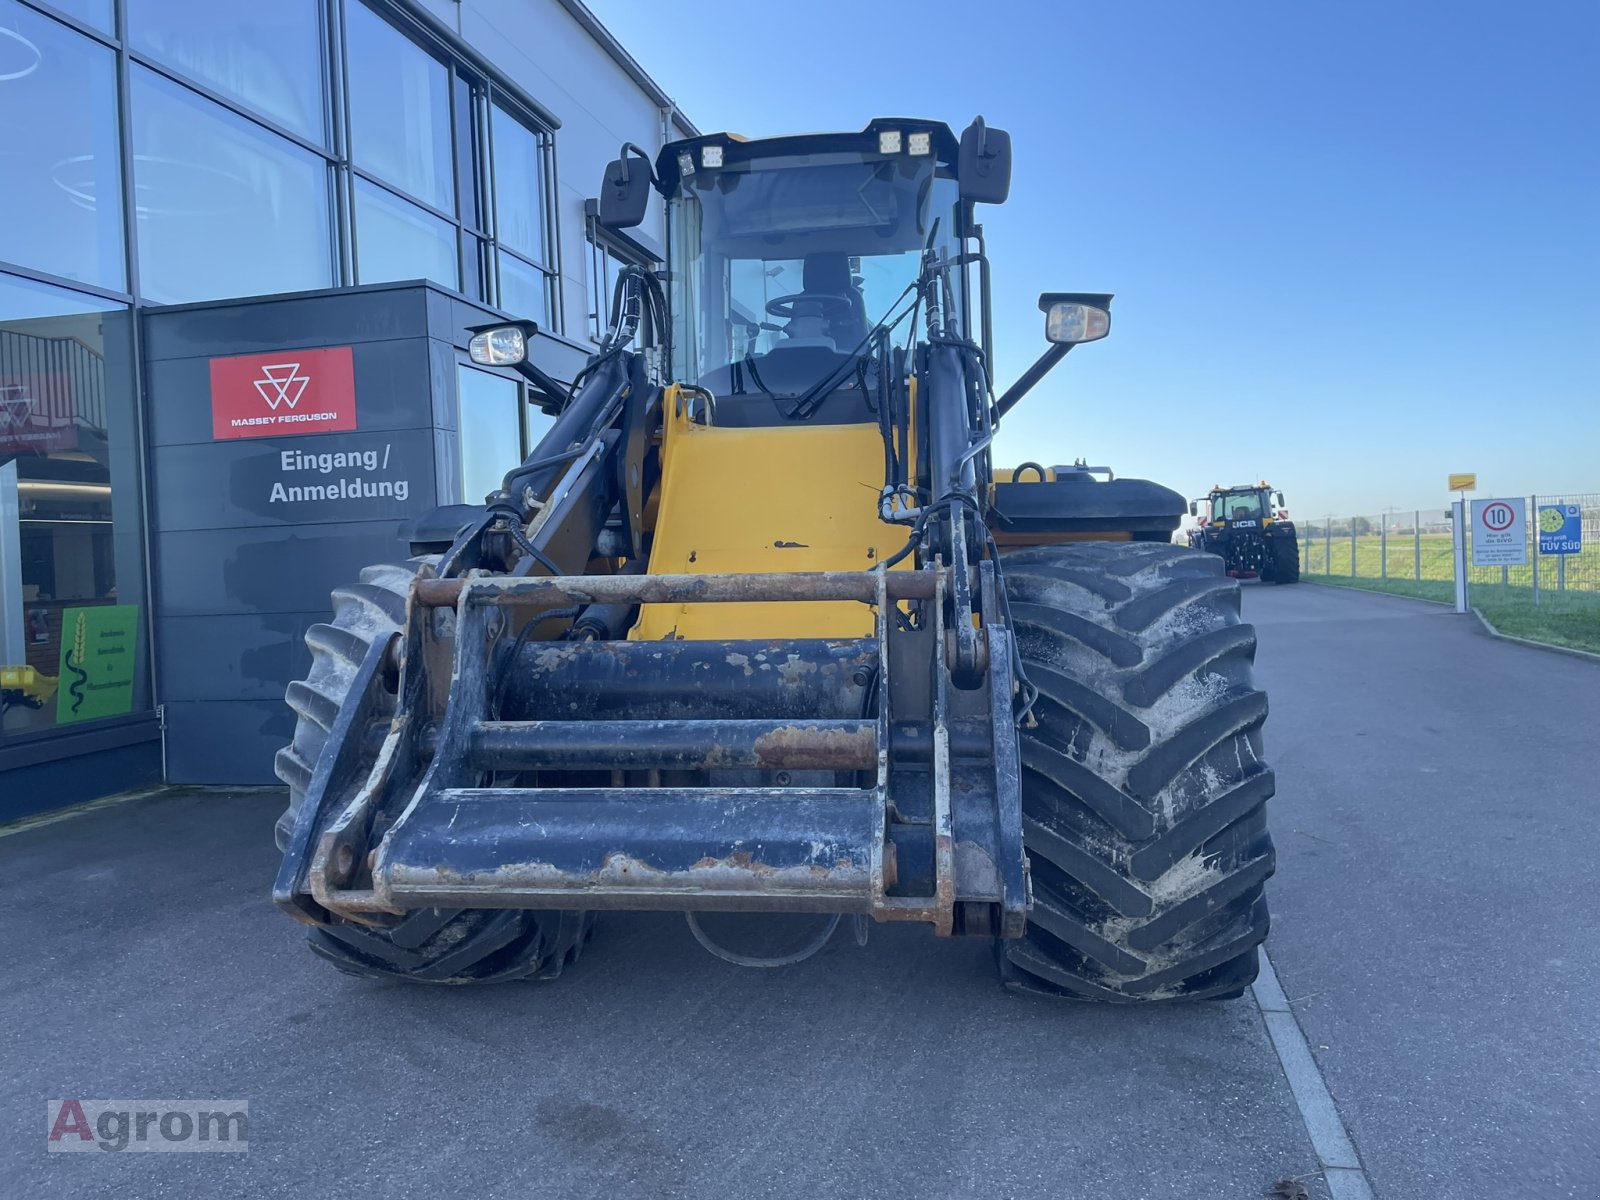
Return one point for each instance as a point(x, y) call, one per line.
point(519, 186)
point(72, 640)
point(495, 429)
point(399, 110)
point(59, 155)
point(520, 171)
point(264, 57)
point(399, 240)
point(225, 208)
point(404, 151)
point(524, 290)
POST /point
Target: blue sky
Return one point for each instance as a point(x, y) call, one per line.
point(1355, 246)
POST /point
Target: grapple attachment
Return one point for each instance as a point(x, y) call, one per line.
point(484, 768)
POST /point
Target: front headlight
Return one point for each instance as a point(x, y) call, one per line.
point(503, 346)
point(1075, 323)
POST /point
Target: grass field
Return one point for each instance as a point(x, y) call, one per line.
point(1570, 618)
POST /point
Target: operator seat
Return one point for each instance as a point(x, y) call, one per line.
point(830, 275)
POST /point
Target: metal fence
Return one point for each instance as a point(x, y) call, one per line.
point(1416, 546)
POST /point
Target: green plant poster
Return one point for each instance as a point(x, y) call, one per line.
point(97, 653)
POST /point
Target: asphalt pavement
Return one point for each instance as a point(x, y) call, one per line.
point(1435, 933)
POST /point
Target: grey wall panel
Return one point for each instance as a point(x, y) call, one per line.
point(225, 741)
point(447, 454)
point(443, 362)
point(203, 572)
point(334, 478)
point(246, 657)
point(72, 779)
point(260, 324)
point(177, 399)
point(238, 575)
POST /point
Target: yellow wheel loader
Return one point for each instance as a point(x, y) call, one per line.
point(758, 627)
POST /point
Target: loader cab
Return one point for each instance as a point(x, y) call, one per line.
point(790, 257)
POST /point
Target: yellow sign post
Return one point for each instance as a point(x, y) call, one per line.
point(1464, 483)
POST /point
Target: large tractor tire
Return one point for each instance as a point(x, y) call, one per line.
point(1286, 560)
point(432, 945)
point(1143, 788)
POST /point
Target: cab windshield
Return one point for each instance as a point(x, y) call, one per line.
point(1239, 505)
point(782, 268)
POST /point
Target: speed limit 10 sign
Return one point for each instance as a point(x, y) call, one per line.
point(1500, 533)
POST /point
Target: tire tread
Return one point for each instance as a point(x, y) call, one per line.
point(1142, 796)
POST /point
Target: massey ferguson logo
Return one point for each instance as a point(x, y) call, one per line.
point(282, 383)
point(274, 395)
point(15, 410)
point(36, 413)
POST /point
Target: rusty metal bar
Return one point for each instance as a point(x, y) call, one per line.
point(617, 848)
point(676, 745)
point(801, 680)
point(560, 591)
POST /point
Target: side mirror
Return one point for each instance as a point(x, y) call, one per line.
point(1277, 500)
point(1194, 508)
point(1073, 317)
point(984, 167)
point(625, 190)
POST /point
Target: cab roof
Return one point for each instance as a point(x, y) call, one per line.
point(739, 149)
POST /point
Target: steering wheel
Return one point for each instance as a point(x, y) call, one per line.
point(833, 306)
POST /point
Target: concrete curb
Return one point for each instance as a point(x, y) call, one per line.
point(1506, 637)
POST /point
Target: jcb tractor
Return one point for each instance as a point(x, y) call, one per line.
point(757, 627)
point(1249, 527)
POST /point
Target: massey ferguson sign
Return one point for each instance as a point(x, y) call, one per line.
point(278, 395)
point(36, 414)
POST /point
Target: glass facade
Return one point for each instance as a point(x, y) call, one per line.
point(396, 240)
point(59, 152)
point(165, 151)
point(493, 416)
point(71, 557)
point(520, 200)
point(399, 110)
point(224, 207)
point(264, 57)
point(264, 148)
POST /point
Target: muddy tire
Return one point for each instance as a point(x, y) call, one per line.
point(363, 613)
point(1143, 787)
point(434, 945)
